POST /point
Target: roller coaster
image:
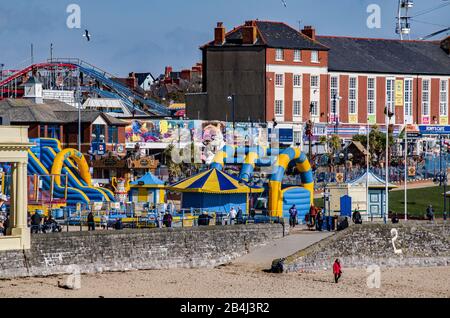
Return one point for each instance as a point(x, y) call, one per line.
point(76, 74)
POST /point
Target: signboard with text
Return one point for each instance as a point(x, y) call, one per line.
point(434, 130)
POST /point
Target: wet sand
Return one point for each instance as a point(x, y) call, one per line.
point(237, 280)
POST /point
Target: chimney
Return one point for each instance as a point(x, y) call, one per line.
point(219, 34)
point(445, 44)
point(249, 32)
point(310, 32)
point(167, 71)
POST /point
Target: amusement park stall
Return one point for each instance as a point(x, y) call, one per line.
point(214, 191)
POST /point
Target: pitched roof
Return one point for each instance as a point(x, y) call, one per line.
point(349, 54)
point(373, 182)
point(273, 34)
point(51, 111)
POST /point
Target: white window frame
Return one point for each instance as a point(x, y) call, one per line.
point(297, 104)
point(390, 94)
point(334, 90)
point(318, 81)
point(443, 97)
point(315, 109)
point(277, 82)
point(297, 83)
point(279, 103)
point(297, 55)
point(425, 97)
point(408, 97)
point(353, 95)
point(279, 55)
point(371, 99)
point(314, 56)
point(297, 134)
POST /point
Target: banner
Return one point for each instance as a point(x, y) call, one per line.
point(398, 92)
point(352, 119)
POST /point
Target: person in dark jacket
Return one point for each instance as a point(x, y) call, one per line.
point(36, 223)
point(430, 213)
point(292, 216)
point(356, 217)
point(118, 225)
point(91, 222)
point(239, 216)
point(204, 218)
point(167, 219)
point(395, 218)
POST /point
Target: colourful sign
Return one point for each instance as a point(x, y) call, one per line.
point(443, 120)
point(372, 119)
point(352, 119)
point(398, 92)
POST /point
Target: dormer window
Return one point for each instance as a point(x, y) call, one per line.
point(279, 55)
point(297, 56)
point(314, 56)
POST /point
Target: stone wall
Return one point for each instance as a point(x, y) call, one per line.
point(371, 244)
point(98, 251)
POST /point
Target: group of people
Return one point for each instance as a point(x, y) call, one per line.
point(44, 225)
point(312, 219)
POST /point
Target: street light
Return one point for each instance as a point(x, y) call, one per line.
point(1, 79)
point(336, 120)
point(231, 99)
point(388, 116)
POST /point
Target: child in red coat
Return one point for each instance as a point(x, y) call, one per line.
point(337, 270)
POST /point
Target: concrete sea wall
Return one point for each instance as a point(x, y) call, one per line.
point(98, 251)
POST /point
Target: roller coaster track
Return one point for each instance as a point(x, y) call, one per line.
point(128, 96)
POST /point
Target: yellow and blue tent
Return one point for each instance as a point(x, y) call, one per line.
point(214, 181)
point(214, 191)
point(148, 188)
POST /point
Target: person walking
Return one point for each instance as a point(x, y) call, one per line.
point(233, 215)
point(90, 221)
point(430, 213)
point(337, 270)
point(167, 219)
point(292, 216)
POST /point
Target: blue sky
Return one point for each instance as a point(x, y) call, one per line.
point(146, 35)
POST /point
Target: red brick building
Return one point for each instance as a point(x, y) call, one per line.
point(276, 72)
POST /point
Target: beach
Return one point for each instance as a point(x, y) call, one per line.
point(237, 281)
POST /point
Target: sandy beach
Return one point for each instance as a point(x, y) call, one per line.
point(237, 281)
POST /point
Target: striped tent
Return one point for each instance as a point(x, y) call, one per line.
point(215, 182)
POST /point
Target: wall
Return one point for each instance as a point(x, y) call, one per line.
point(100, 251)
point(361, 246)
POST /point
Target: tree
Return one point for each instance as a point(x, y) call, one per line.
point(377, 141)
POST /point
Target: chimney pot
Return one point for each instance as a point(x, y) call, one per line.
point(219, 34)
point(309, 31)
point(249, 33)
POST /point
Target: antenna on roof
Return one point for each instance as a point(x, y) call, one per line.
point(299, 25)
point(403, 25)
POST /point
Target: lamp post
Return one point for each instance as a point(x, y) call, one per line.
point(388, 116)
point(1, 79)
point(231, 99)
point(336, 120)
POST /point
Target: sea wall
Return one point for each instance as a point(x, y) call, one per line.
point(359, 246)
point(98, 251)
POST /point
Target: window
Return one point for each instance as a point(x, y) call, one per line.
point(352, 93)
point(297, 137)
point(426, 97)
point(279, 107)
point(279, 55)
point(297, 80)
point(113, 134)
point(314, 108)
point(390, 94)
point(315, 56)
point(371, 96)
point(278, 79)
point(297, 56)
point(98, 130)
point(42, 131)
point(334, 91)
point(54, 131)
point(297, 109)
point(443, 106)
point(408, 97)
point(314, 81)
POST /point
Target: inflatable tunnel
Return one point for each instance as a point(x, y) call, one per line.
point(280, 200)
